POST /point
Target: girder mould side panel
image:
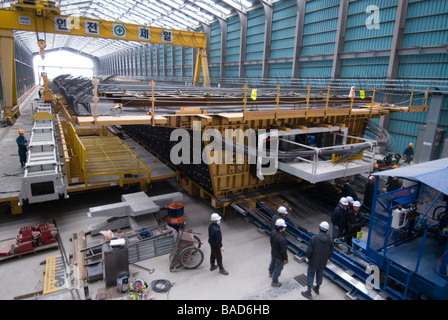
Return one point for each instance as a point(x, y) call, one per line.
point(157, 139)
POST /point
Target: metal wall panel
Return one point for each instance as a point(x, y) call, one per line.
point(316, 69)
point(255, 35)
point(233, 39)
point(214, 72)
point(404, 129)
point(320, 26)
point(188, 65)
point(253, 71)
point(215, 43)
point(375, 67)
point(424, 66)
point(178, 61)
point(24, 70)
point(360, 35)
point(282, 42)
point(426, 23)
point(232, 71)
point(280, 70)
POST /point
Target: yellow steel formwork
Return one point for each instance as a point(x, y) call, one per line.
point(95, 158)
point(108, 159)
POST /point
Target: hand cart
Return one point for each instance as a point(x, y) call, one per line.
point(186, 251)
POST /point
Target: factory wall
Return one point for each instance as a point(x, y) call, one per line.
point(328, 39)
point(24, 71)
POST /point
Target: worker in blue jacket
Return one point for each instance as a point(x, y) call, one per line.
point(22, 143)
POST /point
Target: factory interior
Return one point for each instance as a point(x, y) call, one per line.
point(259, 120)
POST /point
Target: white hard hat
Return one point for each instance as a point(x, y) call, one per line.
point(350, 199)
point(280, 223)
point(324, 226)
point(282, 210)
point(215, 217)
point(343, 201)
point(357, 204)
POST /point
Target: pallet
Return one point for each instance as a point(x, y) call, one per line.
point(9, 242)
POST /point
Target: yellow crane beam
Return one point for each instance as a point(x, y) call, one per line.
point(43, 17)
point(86, 27)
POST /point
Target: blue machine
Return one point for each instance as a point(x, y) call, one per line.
point(407, 240)
point(408, 235)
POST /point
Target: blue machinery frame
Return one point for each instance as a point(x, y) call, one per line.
point(414, 257)
point(412, 261)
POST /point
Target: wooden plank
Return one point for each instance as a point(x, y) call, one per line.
point(79, 243)
point(89, 121)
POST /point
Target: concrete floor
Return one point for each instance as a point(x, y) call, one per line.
point(246, 250)
point(246, 255)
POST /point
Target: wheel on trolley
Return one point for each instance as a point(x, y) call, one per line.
point(191, 257)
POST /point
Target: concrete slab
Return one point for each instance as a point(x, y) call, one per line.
point(246, 255)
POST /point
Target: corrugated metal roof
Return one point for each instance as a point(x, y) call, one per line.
point(433, 173)
point(171, 14)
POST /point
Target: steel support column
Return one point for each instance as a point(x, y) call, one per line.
point(268, 12)
point(431, 128)
point(243, 44)
point(223, 25)
point(397, 40)
point(301, 7)
point(340, 36)
point(173, 61)
point(394, 59)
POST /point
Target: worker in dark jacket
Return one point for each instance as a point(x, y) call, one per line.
point(282, 212)
point(393, 183)
point(320, 249)
point(279, 256)
point(215, 241)
point(339, 218)
point(409, 153)
point(22, 143)
point(355, 221)
point(347, 190)
point(368, 193)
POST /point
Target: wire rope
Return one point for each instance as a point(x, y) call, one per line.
point(161, 285)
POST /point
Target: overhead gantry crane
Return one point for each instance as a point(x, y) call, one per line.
point(42, 16)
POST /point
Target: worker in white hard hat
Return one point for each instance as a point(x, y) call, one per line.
point(339, 218)
point(215, 241)
point(320, 249)
point(350, 200)
point(279, 256)
point(281, 213)
point(355, 221)
point(350, 205)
